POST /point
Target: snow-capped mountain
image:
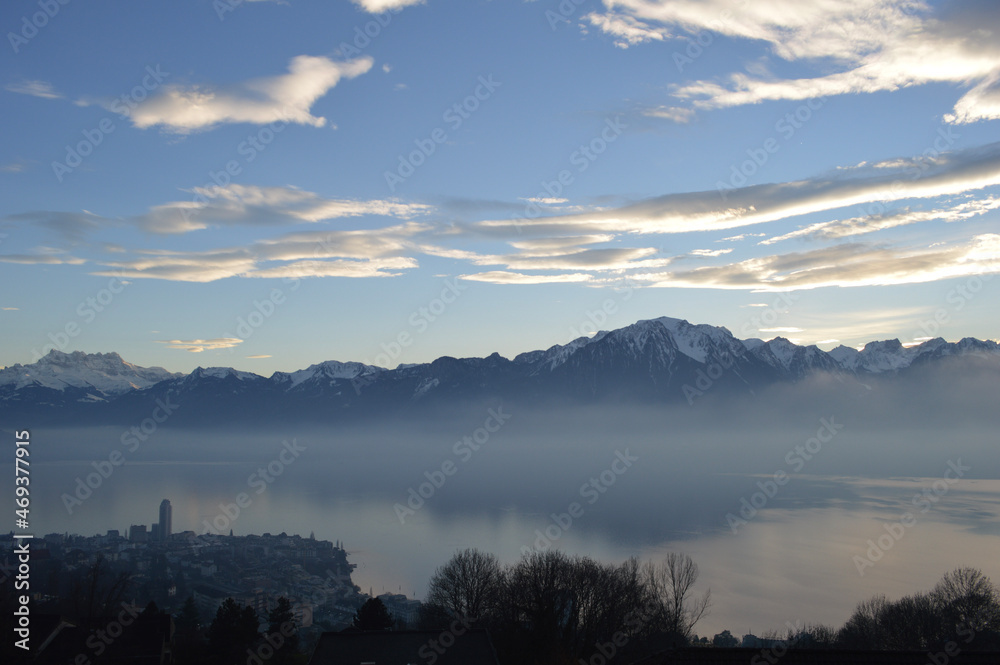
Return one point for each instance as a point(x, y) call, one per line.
point(103, 373)
point(658, 360)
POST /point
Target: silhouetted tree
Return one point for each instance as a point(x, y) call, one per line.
point(725, 639)
point(433, 617)
point(966, 597)
point(189, 645)
point(99, 592)
point(373, 615)
point(467, 584)
point(233, 631)
point(963, 601)
point(282, 629)
point(671, 582)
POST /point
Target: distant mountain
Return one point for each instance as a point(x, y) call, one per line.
point(661, 360)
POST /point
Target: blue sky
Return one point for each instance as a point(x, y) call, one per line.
point(266, 185)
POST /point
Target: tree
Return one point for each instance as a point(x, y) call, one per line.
point(100, 591)
point(282, 630)
point(862, 630)
point(373, 615)
point(233, 631)
point(190, 644)
point(966, 597)
point(188, 620)
point(433, 617)
point(725, 639)
point(467, 585)
point(671, 582)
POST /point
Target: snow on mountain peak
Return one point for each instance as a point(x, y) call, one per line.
point(330, 369)
point(223, 372)
point(105, 372)
point(885, 356)
point(783, 350)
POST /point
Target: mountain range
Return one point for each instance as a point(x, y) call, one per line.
point(663, 360)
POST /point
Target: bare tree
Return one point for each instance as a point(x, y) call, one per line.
point(671, 582)
point(966, 596)
point(99, 591)
point(862, 630)
point(468, 585)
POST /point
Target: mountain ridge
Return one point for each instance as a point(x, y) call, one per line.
point(654, 360)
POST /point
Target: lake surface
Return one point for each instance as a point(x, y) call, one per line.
point(641, 487)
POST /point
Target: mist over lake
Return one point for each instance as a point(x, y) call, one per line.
point(774, 496)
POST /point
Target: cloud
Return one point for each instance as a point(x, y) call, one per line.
point(41, 259)
point(845, 265)
point(709, 252)
point(199, 345)
point(616, 258)
point(545, 200)
point(72, 226)
point(676, 114)
point(284, 98)
point(626, 29)
point(243, 205)
point(11, 309)
point(934, 175)
point(339, 253)
point(41, 89)
point(842, 228)
point(378, 6)
point(503, 277)
point(260, 356)
point(338, 268)
point(855, 46)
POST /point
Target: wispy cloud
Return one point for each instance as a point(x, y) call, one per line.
point(857, 46)
point(625, 28)
point(354, 253)
point(286, 97)
point(242, 205)
point(843, 228)
point(377, 6)
point(949, 173)
point(42, 89)
point(42, 259)
point(199, 345)
point(844, 265)
point(677, 114)
point(504, 277)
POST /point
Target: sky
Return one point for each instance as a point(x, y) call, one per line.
point(267, 185)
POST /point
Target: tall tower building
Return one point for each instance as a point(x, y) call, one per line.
point(166, 519)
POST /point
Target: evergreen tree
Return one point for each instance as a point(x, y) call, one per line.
point(190, 645)
point(233, 631)
point(373, 615)
point(283, 631)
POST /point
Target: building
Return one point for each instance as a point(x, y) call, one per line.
point(402, 608)
point(137, 533)
point(166, 520)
